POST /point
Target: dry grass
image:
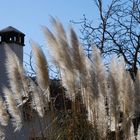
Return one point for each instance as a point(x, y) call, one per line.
point(88, 102)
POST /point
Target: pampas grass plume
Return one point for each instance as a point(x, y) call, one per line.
point(13, 109)
point(4, 117)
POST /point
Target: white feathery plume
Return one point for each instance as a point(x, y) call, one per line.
point(97, 82)
point(113, 102)
point(4, 117)
point(68, 82)
point(126, 88)
point(59, 47)
point(113, 85)
point(100, 72)
point(17, 80)
point(37, 99)
point(41, 70)
point(60, 31)
point(13, 109)
point(79, 60)
point(91, 95)
point(95, 76)
point(92, 80)
point(128, 104)
point(51, 39)
point(114, 93)
point(63, 45)
point(125, 95)
point(101, 116)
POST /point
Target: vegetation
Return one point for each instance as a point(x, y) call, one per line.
point(117, 32)
point(88, 102)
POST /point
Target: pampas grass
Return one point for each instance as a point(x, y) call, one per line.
point(4, 117)
point(98, 102)
point(13, 109)
point(16, 74)
point(41, 68)
point(37, 99)
point(42, 73)
point(59, 47)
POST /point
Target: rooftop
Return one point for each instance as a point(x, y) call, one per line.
point(10, 29)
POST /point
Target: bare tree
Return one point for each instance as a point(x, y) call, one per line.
point(118, 32)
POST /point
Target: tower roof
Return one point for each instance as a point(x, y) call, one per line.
point(11, 29)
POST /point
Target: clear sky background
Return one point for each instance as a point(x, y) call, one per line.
point(29, 15)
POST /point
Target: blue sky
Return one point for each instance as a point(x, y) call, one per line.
point(29, 15)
